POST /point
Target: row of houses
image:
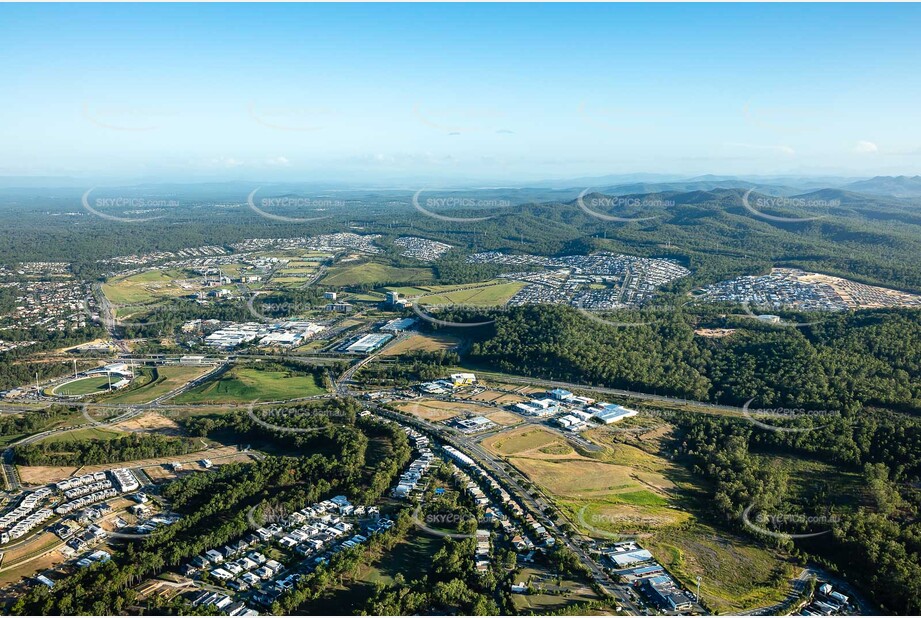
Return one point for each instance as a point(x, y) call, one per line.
point(96, 496)
point(78, 492)
point(309, 532)
point(472, 478)
point(223, 603)
point(24, 526)
point(75, 482)
point(411, 479)
point(29, 503)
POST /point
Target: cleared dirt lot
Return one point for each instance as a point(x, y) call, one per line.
point(437, 410)
point(504, 418)
point(42, 475)
point(425, 343)
point(150, 421)
point(498, 398)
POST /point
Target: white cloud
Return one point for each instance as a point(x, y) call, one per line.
point(865, 147)
point(278, 162)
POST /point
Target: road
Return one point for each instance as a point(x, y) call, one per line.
point(501, 377)
point(533, 500)
point(535, 505)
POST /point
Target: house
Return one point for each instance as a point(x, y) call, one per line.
point(214, 556)
point(221, 574)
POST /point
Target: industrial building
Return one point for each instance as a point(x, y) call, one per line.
point(608, 413)
point(369, 343)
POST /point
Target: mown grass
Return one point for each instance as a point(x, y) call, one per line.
point(487, 295)
point(144, 288)
point(246, 384)
point(162, 381)
point(372, 273)
point(85, 386)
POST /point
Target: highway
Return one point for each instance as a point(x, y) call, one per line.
point(502, 377)
point(532, 499)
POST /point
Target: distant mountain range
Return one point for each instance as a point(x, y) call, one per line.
point(612, 184)
point(894, 186)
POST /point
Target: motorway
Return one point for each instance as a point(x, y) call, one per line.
point(535, 505)
point(533, 500)
point(502, 377)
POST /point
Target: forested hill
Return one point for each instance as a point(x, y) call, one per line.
point(845, 362)
point(868, 238)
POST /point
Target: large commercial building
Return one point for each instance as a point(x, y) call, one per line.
point(608, 413)
point(369, 343)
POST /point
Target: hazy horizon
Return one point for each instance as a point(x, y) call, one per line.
point(497, 94)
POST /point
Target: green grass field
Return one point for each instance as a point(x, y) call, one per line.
point(146, 287)
point(88, 433)
point(163, 380)
point(85, 386)
point(246, 384)
point(372, 273)
point(486, 295)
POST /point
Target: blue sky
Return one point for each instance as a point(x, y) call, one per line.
point(485, 92)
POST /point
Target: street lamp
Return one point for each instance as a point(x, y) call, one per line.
point(698, 589)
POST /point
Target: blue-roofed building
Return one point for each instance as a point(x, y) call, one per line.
point(608, 413)
point(560, 394)
point(646, 571)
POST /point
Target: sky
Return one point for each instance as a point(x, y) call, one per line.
point(371, 94)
